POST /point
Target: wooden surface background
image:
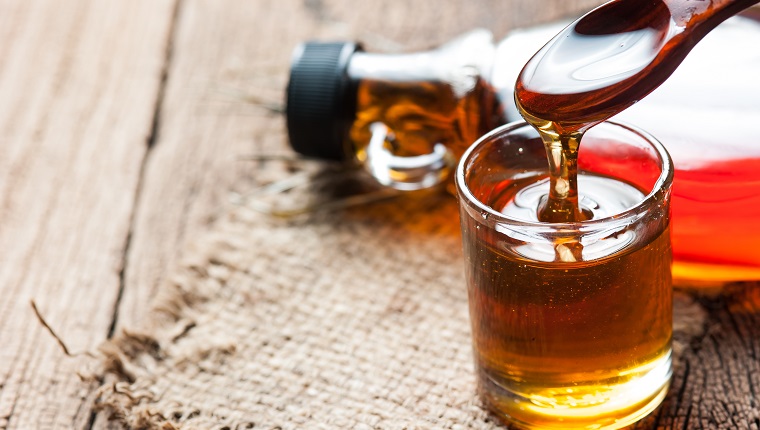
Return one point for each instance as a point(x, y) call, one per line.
point(124, 126)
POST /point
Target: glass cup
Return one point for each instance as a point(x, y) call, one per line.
point(571, 322)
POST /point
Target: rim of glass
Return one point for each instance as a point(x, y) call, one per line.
point(665, 178)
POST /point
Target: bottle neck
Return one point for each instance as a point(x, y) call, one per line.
point(414, 67)
point(471, 54)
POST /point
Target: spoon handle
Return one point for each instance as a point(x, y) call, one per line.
point(699, 17)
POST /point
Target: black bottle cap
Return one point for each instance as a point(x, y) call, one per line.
point(321, 99)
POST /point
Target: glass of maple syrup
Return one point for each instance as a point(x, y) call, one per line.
point(571, 321)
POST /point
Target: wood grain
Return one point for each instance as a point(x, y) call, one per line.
point(78, 82)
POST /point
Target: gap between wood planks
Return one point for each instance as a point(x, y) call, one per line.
point(150, 144)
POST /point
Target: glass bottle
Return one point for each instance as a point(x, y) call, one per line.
point(407, 118)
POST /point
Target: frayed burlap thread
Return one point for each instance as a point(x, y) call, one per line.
point(354, 319)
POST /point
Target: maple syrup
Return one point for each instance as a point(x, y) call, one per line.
point(572, 321)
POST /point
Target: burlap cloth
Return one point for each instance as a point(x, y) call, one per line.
point(345, 319)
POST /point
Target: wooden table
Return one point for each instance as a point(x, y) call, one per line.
point(124, 126)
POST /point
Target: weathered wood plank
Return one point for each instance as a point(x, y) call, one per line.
point(78, 84)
